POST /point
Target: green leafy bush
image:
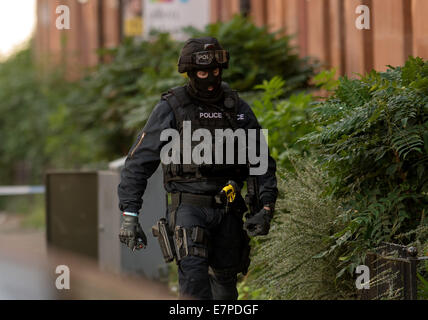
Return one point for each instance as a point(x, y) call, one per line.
point(257, 54)
point(32, 117)
point(287, 264)
point(374, 142)
point(423, 285)
point(286, 119)
point(23, 114)
point(54, 123)
point(116, 99)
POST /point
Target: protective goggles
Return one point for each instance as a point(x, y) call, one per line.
point(204, 58)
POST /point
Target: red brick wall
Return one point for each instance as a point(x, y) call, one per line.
point(94, 24)
point(419, 12)
point(392, 32)
point(324, 29)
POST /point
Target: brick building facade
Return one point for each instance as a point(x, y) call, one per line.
point(324, 29)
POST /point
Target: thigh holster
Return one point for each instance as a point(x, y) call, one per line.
point(190, 242)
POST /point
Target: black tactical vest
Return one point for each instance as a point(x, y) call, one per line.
point(203, 116)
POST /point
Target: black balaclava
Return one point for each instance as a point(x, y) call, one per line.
point(198, 88)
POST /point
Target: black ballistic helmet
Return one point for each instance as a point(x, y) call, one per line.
point(202, 53)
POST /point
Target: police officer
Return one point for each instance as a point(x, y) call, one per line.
point(211, 238)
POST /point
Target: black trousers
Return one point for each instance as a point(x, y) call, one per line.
point(215, 275)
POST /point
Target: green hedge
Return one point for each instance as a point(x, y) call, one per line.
point(49, 122)
point(115, 101)
point(374, 141)
point(368, 185)
point(257, 54)
point(283, 263)
point(35, 127)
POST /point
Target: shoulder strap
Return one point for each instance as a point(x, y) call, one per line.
point(177, 98)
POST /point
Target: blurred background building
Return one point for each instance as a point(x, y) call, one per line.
point(323, 28)
point(55, 124)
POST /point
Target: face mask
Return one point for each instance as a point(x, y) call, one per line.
point(200, 86)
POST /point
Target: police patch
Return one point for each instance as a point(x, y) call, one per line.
point(210, 115)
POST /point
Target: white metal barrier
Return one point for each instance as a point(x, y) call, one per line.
point(21, 190)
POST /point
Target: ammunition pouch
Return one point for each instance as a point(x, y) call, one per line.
point(180, 241)
point(177, 245)
point(199, 242)
point(197, 246)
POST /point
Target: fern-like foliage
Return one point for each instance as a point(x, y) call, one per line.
point(373, 139)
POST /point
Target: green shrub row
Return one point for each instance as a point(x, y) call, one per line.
point(374, 141)
point(117, 98)
point(366, 185)
point(36, 131)
point(48, 122)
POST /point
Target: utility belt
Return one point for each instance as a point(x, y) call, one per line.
point(195, 173)
point(173, 240)
point(198, 200)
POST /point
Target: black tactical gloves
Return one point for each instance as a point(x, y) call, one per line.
point(132, 234)
point(259, 224)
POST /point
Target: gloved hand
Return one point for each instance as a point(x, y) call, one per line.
point(259, 224)
point(132, 234)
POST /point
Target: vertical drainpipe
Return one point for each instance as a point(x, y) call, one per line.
point(342, 37)
point(245, 7)
point(327, 32)
point(368, 40)
point(100, 26)
point(408, 28)
point(120, 22)
point(303, 28)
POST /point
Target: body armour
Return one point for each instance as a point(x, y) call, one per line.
point(221, 115)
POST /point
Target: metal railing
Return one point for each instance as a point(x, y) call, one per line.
point(393, 272)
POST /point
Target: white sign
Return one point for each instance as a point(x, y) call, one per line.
point(173, 15)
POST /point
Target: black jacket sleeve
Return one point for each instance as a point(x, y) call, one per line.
point(267, 182)
point(144, 158)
